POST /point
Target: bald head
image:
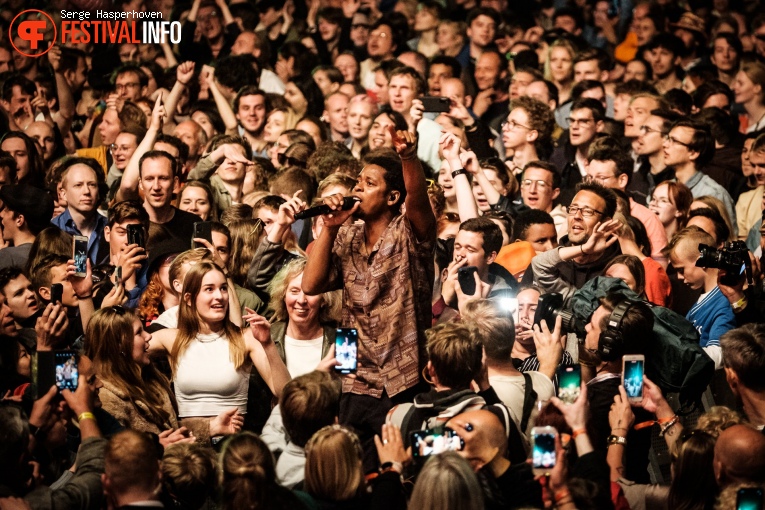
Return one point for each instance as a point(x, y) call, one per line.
point(484, 436)
point(740, 456)
point(192, 135)
point(453, 87)
point(43, 134)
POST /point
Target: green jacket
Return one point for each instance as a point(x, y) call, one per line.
point(279, 330)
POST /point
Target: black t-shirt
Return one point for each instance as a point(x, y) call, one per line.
point(182, 225)
point(515, 488)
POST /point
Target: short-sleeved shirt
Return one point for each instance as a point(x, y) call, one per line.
point(387, 298)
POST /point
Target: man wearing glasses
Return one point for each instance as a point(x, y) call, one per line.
point(590, 212)
point(649, 147)
point(130, 82)
point(540, 186)
point(688, 147)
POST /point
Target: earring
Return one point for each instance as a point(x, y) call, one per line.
point(425, 376)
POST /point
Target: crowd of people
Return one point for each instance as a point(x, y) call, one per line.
point(340, 254)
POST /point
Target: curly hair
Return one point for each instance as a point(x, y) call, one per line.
point(541, 118)
point(277, 289)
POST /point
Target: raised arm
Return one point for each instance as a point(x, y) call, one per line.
point(418, 209)
point(450, 148)
point(264, 354)
point(221, 103)
point(319, 265)
point(183, 75)
point(129, 185)
point(66, 104)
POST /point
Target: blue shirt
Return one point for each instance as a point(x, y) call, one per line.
point(712, 316)
point(65, 222)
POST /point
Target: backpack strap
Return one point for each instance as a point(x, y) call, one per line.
point(529, 399)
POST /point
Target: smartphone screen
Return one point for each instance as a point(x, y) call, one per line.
point(66, 370)
point(570, 383)
point(749, 498)
point(543, 453)
point(632, 374)
point(56, 292)
point(80, 255)
point(434, 441)
point(346, 350)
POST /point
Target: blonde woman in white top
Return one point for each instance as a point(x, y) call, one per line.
point(210, 356)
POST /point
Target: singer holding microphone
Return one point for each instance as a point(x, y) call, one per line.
point(385, 268)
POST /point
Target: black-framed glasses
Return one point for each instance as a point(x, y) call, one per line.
point(674, 141)
point(587, 212)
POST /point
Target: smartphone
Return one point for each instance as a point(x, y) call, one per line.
point(135, 235)
point(80, 255)
point(749, 498)
point(543, 455)
point(54, 367)
point(202, 230)
point(436, 104)
point(569, 383)
point(466, 279)
point(56, 292)
point(434, 441)
point(633, 368)
point(346, 350)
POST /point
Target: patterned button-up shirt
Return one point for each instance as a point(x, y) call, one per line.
point(386, 297)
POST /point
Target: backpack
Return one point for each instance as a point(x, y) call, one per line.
point(674, 360)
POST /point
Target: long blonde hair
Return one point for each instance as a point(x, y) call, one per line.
point(330, 301)
point(189, 319)
point(109, 344)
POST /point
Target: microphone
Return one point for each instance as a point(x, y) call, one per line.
point(348, 203)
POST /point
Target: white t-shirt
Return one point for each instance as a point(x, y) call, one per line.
point(302, 355)
point(510, 390)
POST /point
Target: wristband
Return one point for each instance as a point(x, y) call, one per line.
point(392, 466)
point(87, 415)
point(660, 421)
point(740, 304)
point(578, 432)
point(461, 171)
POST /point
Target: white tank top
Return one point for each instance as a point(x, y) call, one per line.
point(206, 382)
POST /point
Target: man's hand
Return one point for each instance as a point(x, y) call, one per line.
point(482, 290)
point(231, 152)
point(549, 346)
point(338, 216)
point(470, 162)
point(653, 400)
point(185, 73)
point(351, 7)
point(449, 287)
point(215, 255)
point(208, 74)
point(575, 414)
point(82, 285)
point(43, 407)
point(603, 236)
point(405, 143)
point(54, 57)
point(158, 115)
point(288, 210)
point(483, 100)
point(328, 362)
point(459, 111)
point(130, 258)
point(51, 326)
point(416, 112)
point(81, 401)
point(115, 297)
point(40, 103)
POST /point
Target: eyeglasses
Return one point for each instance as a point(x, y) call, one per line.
point(672, 141)
point(648, 129)
point(527, 183)
point(356, 26)
point(587, 212)
point(511, 125)
point(579, 122)
point(131, 85)
point(119, 148)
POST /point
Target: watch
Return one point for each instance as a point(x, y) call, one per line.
point(461, 171)
point(612, 439)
